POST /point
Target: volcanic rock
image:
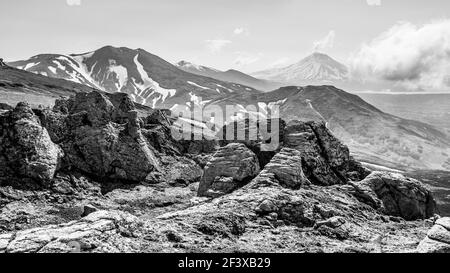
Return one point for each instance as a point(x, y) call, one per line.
point(26, 149)
point(231, 166)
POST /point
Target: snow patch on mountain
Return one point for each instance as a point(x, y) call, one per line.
point(149, 83)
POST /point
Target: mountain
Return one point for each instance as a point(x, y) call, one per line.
point(18, 85)
point(149, 79)
point(316, 69)
point(373, 136)
point(228, 76)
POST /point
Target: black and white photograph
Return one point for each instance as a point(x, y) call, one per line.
point(241, 128)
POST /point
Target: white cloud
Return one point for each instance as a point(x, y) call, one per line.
point(326, 42)
point(215, 46)
point(415, 57)
point(373, 2)
point(245, 58)
point(241, 30)
point(73, 2)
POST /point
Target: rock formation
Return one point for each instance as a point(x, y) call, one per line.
point(109, 177)
point(326, 160)
point(26, 149)
point(438, 238)
point(230, 167)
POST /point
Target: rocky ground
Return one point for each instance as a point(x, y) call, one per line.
point(93, 175)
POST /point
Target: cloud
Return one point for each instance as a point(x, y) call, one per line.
point(373, 2)
point(415, 57)
point(245, 58)
point(73, 2)
point(215, 46)
point(241, 30)
point(325, 42)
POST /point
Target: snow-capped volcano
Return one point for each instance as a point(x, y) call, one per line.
point(317, 68)
point(146, 77)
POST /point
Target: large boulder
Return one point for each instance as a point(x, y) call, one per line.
point(231, 167)
point(263, 137)
point(26, 149)
point(100, 231)
point(327, 161)
point(396, 195)
point(438, 238)
point(101, 135)
point(286, 168)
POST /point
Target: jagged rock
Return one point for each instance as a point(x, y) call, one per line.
point(26, 149)
point(286, 166)
point(398, 195)
point(438, 238)
point(99, 231)
point(326, 160)
point(231, 166)
point(255, 134)
point(2, 63)
point(101, 135)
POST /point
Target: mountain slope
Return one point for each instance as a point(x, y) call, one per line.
point(372, 135)
point(317, 68)
point(18, 85)
point(149, 79)
point(228, 76)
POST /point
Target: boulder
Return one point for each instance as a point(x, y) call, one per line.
point(100, 231)
point(438, 238)
point(27, 149)
point(286, 168)
point(397, 195)
point(257, 135)
point(231, 166)
point(326, 160)
point(101, 135)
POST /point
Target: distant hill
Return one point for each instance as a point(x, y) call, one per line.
point(229, 76)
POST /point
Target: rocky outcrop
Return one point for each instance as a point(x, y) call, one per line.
point(395, 194)
point(326, 160)
point(231, 166)
point(2, 63)
point(438, 238)
point(26, 149)
point(286, 169)
point(101, 135)
point(100, 231)
point(257, 135)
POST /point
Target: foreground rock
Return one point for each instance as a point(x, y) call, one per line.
point(396, 195)
point(327, 161)
point(438, 238)
point(101, 231)
point(231, 167)
point(26, 149)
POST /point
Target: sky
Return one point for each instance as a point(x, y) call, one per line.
point(248, 35)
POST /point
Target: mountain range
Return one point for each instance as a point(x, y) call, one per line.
point(230, 75)
point(148, 79)
point(373, 136)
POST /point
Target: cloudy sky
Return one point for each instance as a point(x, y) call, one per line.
point(392, 39)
